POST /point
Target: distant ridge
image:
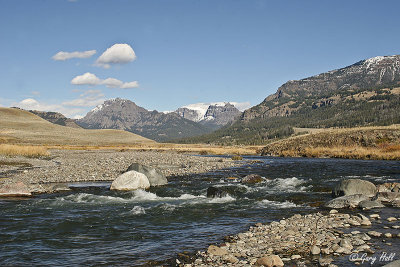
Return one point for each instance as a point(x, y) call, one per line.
point(126, 115)
point(214, 115)
point(363, 94)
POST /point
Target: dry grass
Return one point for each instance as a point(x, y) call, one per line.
point(26, 151)
point(379, 143)
point(22, 127)
point(201, 149)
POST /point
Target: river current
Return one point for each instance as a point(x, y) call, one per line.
point(93, 226)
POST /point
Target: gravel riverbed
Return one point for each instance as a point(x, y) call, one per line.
point(65, 166)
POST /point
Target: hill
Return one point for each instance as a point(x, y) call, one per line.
point(366, 93)
point(56, 118)
point(124, 114)
point(20, 126)
point(361, 143)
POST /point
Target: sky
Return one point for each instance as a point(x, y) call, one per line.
point(71, 55)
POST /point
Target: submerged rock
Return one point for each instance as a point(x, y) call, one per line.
point(213, 192)
point(252, 179)
point(130, 180)
point(154, 176)
point(353, 187)
point(346, 201)
point(18, 189)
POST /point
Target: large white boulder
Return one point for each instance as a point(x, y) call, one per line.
point(130, 180)
point(155, 177)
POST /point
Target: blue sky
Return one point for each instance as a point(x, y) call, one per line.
point(185, 51)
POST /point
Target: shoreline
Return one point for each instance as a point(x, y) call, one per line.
point(46, 175)
point(320, 238)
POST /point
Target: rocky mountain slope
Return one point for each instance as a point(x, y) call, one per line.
point(56, 118)
point(214, 115)
point(365, 93)
point(126, 115)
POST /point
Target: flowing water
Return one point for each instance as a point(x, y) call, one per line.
point(94, 226)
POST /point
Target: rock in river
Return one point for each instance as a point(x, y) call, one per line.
point(130, 180)
point(353, 187)
point(346, 201)
point(213, 192)
point(155, 176)
point(252, 179)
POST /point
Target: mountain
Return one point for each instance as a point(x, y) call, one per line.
point(365, 93)
point(126, 115)
point(214, 115)
point(20, 126)
point(56, 118)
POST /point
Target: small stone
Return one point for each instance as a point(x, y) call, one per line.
point(374, 216)
point(315, 250)
point(333, 211)
point(374, 233)
point(396, 226)
point(295, 257)
point(325, 261)
point(391, 219)
point(270, 261)
point(216, 251)
point(231, 259)
point(388, 235)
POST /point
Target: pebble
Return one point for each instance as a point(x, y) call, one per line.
point(391, 219)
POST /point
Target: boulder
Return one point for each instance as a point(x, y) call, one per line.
point(270, 261)
point(354, 186)
point(213, 192)
point(252, 179)
point(18, 189)
point(346, 201)
point(130, 180)
point(370, 204)
point(388, 187)
point(387, 196)
point(155, 177)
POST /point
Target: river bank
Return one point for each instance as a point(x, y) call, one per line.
point(66, 166)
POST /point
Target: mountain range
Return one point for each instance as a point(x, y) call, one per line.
point(365, 93)
point(213, 115)
point(124, 114)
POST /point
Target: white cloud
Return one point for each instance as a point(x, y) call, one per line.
point(128, 85)
point(88, 98)
point(33, 104)
point(68, 55)
point(86, 79)
point(91, 79)
point(112, 83)
point(242, 106)
point(116, 54)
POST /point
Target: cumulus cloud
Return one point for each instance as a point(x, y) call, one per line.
point(91, 79)
point(116, 54)
point(33, 104)
point(68, 55)
point(86, 79)
point(87, 99)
